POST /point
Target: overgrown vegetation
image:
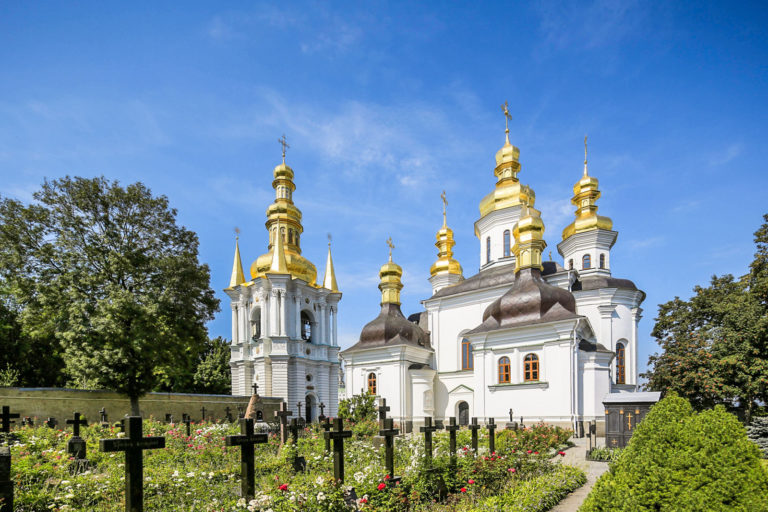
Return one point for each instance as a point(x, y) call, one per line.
point(602, 453)
point(679, 459)
point(359, 407)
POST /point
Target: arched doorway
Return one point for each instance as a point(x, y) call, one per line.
point(306, 326)
point(310, 408)
point(463, 413)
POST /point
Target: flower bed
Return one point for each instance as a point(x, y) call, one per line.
point(200, 473)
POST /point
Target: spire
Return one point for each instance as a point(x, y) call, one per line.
point(390, 275)
point(278, 266)
point(445, 263)
point(237, 267)
point(585, 196)
point(329, 281)
point(529, 239)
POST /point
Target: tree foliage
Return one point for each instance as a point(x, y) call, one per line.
point(715, 345)
point(360, 407)
point(107, 272)
point(213, 374)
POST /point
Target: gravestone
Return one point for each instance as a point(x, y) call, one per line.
point(133, 446)
point(6, 418)
point(6, 484)
point(282, 416)
point(623, 411)
point(326, 426)
point(299, 463)
point(338, 436)
point(186, 420)
point(255, 407)
point(51, 422)
point(491, 435)
point(388, 432)
point(428, 429)
point(29, 422)
point(321, 418)
point(452, 428)
point(299, 419)
point(511, 424)
point(228, 413)
point(383, 410)
point(474, 427)
point(103, 417)
point(76, 445)
point(247, 440)
point(522, 424)
point(169, 418)
point(202, 412)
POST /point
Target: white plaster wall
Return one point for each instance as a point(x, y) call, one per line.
point(494, 224)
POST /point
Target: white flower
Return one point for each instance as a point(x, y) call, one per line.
point(321, 496)
point(175, 474)
point(190, 474)
point(65, 482)
point(320, 480)
point(359, 476)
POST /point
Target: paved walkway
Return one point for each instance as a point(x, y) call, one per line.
point(576, 456)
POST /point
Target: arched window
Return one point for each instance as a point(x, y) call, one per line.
point(467, 360)
point(531, 367)
point(463, 413)
point(256, 324)
point(282, 234)
point(506, 244)
point(586, 262)
point(621, 372)
point(306, 327)
point(570, 264)
point(602, 261)
point(290, 236)
point(372, 383)
point(488, 249)
point(504, 370)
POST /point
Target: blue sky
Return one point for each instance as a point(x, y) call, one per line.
point(387, 104)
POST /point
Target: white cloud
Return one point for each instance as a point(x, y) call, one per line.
point(732, 152)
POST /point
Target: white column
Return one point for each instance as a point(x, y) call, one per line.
point(297, 317)
point(264, 313)
point(637, 314)
point(606, 336)
point(234, 324)
point(321, 322)
point(335, 325)
point(283, 313)
point(242, 314)
point(274, 329)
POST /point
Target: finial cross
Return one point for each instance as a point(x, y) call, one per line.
point(507, 115)
point(585, 155)
point(445, 203)
point(391, 246)
point(285, 145)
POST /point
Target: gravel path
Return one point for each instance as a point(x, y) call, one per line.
point(576, 456)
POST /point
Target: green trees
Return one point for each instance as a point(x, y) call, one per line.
point(682, 460)
point(106, 272)
point(212, 374)
point(715, 345)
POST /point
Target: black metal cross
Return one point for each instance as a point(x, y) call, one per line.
point(5, 419)
point(491, 435)
point(103, 415)
point(51, 422)
point(6, 483)
point(326, 426)
point(428, 429)
point(228, 412)
point(294, 428)
point(389, 432)
point(76, 422)
point(255, 389)
point(202, 411)
point(322, 412)
point(474, 427)
point(133, 446)
point(338, 436)
point(282, 416)
point(298, 406)
point(185, 419)
point(452, 428)
point(383, 409)
point(246, 441)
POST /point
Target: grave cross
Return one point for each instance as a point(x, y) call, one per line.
point(389, 433)
point(294, 428)
point(103, 415)
point(474, 428)
point(298, 406)
point(186, 421)
point(6, 484)
point(202, 411)
point(51, 422)
point(452, 428)
point(255, 389)
point(299, 463)
point(383, 410)
point(76, 422)
point(491, 435)
point(326, 425)
point(133, 446)
point(228, 412)
point(282, 416)
point(6, 418)
point(246, 441)
point(428, 430)
point(338, 436)
point(322, 412)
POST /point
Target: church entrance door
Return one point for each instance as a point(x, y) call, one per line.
point(463, 413)
point(310, 408)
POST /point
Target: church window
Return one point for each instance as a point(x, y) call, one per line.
point(570, 264)
point(504, 370)
point(531, 367)
point(602, 261)
point(506, 244)
point(306, 327)
point(256, 324)
point(282, 234)
point(371, 383)
point(488, 249)
point(463, 413)
point(621, 372)
point(467, 359)
point(586, 262)
point(290, 236)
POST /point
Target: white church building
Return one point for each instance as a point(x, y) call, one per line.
point(284, 335)
point(546, 340)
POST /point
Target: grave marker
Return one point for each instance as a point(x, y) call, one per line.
point(51, 422)
point(321, 418)
point(491, 435)
point(338, 436)
point(247, 441)
point(383, 410)
point(326, 426)
point(76, 445)
point(228, 412)
point(282, 416)
point(298, 406)
point(6, 484)
point(428, 429)
point(299, 463)
point(452, 428)
point(133, 446)
point(389, 432)
point(5, 419)
point(202, 411)
point(474, 427)
point(103, 417)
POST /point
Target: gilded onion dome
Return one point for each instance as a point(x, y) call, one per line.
point(284, 216)
point(585, 196)
point(445, 263)
point(508, 191)
point(529, 239)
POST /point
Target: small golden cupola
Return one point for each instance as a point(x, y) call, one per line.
point(508, 191)
point(284, 217)
point(446, 270)
point(529, 239)
point(585, 196)
point(329, 280)
point(390, 275)
point(238, 277)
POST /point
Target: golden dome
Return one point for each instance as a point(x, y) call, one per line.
point(390, 275)
point(585, 196)
point(529, 239)
point(445, 263)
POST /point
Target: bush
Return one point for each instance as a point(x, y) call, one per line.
point(757, 431)
point(601, 453)
point(358, 407)
point(681, 460)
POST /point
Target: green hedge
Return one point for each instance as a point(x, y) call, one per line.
point(682, 460)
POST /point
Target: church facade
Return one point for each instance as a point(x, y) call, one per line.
point(284, 336)
point(523, 337)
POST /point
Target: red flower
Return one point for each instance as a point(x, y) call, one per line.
point(283, 487)
point(363, 500)
point(511, 470)
point(381, 486)
point(386, 477)
point(463, 489)
point(562, 454)
point(470, 481)
point(535, 453)
point(529, 452)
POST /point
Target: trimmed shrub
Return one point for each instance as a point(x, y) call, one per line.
point(681, 460)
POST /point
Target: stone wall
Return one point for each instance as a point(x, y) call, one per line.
point(59, 403)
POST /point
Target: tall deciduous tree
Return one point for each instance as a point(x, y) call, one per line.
point(213, 374)
point(715, 345)
point(110, 273)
